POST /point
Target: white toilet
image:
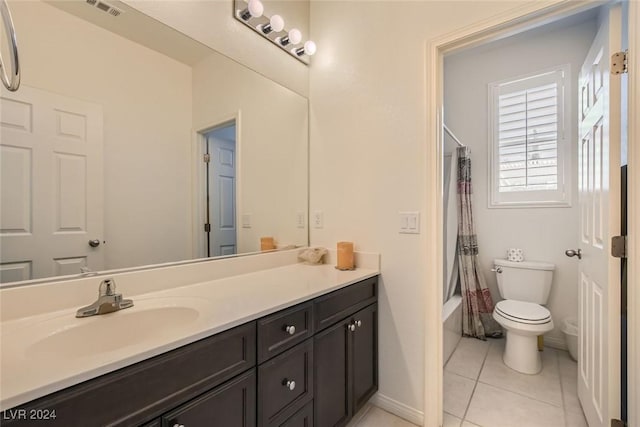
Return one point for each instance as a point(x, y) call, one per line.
point(524, 287)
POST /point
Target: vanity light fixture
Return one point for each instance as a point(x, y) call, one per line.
point(254, 9)
point(251, 14)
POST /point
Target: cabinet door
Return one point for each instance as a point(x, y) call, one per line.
point(232, 404)
point(332, 403)
point(365, 356)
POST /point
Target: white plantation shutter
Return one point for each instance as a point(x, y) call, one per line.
point(527, 135)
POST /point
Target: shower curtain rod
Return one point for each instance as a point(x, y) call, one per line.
point(455, 138)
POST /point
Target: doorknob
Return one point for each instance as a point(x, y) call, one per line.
point(574, 252)
point(94, 243)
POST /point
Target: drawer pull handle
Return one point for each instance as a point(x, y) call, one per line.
point(352, 327)
point(358, 323)
point(290, 329)
point(290, 384)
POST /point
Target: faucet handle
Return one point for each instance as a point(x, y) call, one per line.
point(107, 287)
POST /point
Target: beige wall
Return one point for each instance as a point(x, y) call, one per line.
point(368, 155)
point(272, 149)
point(543, 233)
point(146, 144)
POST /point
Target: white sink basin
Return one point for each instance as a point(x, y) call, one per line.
point(66, 337)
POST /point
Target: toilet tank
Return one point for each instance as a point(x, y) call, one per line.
point(528, 281)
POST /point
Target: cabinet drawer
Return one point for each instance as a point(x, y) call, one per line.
point(147, 389)
point(231, 404)
point(339, 304)
point(302, 418)
point(285, 383)
point(283, 330)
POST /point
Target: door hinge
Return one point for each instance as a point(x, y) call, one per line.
point(207, 227)
point(207, 158)
point(618, 423)
point(619, 63)
point(619, 246)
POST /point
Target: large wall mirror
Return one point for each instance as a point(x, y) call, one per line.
point(130, 144)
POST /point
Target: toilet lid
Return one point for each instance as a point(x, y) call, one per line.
point(523, 312)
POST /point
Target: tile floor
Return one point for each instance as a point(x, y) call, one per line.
point(480, 391)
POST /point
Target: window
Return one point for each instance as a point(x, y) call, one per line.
point(529, 155)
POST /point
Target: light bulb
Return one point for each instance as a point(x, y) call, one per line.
point(277, 23)
point(254, 10)
point(309, 47)
point(293, 37)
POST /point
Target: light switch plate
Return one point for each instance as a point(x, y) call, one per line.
point(300, 220)
point(409, 222)
point(246, 220)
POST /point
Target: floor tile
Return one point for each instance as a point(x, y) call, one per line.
point(495, 407)
point(544, 386)
point(360, 415)
point(468, 357)
point(451, 421)
point(457, 393)
point(376, 417)
point(468, 424)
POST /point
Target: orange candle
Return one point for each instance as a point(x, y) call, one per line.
point(345, 256)
point(267, 244)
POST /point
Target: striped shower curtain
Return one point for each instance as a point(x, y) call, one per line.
point(477, 304)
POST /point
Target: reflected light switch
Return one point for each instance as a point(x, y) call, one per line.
point(246, 220)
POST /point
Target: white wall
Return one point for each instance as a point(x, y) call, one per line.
point(67, 55)
point(368, 155)
point(272, 148)
point(543, 233)
point(212, 23)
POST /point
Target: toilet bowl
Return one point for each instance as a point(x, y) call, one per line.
point(525, 287)
point(523, 321)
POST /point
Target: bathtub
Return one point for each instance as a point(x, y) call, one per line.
point(451, 325)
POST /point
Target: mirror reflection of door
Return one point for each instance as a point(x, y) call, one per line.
point(51, 221)
point(221, 190)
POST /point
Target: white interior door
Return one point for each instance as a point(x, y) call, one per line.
point(599, 186)
point(50, 185)
point(222, 191)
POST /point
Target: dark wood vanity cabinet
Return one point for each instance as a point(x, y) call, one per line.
point(346, 357)
point(313, 364)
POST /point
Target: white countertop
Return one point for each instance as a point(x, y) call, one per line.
point(27, 374)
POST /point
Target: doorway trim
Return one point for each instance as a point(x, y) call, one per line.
point(509, 23)
point(198, 200)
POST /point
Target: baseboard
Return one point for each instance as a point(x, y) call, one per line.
point(396, 408)
point(555, 342)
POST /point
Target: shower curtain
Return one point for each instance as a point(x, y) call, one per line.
point(450, 217)
point(477, 304)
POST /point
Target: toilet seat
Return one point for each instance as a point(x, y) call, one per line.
point(527, 313)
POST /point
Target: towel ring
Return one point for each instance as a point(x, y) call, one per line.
point(12, 83)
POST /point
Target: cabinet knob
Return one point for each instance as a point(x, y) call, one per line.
point(358, 323)
point(290, 384)
point(352, 327)
point(290, 329)
point(178, 425)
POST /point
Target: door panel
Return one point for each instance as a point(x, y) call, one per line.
point(51, 185)
point(365, 356)
point(599, 198)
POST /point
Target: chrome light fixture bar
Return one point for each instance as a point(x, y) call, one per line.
point(251, 14)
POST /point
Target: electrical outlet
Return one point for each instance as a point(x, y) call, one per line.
point(246, 221)
point(300, 220)
point(318, 219)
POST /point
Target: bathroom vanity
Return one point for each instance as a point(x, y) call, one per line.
point(313, 362)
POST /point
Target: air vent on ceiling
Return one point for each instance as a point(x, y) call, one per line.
point(105, 7)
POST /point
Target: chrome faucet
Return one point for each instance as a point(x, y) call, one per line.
point(108, 301)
